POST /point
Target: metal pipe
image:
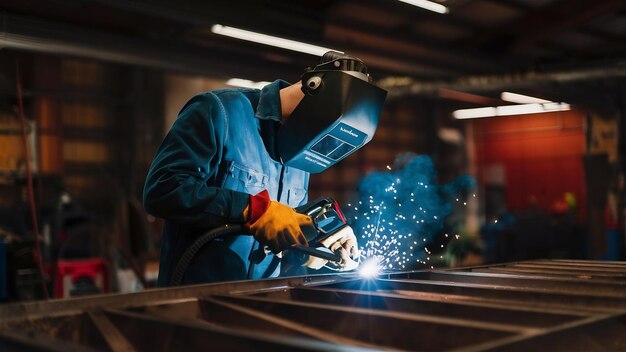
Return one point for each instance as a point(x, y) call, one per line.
point(405, 86)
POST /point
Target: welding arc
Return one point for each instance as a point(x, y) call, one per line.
point(185, 259)
point(29, 181)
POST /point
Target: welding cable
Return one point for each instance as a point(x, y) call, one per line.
point(29, 181)
point(190, 253)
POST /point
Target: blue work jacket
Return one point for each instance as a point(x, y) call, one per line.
point(221, 149)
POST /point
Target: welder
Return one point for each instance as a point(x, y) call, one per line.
point(243, 157)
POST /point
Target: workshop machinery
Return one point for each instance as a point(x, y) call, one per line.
point(548, 305)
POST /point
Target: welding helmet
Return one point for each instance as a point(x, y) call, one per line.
point(338, 114)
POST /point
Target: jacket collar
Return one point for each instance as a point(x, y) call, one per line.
point(269, 101)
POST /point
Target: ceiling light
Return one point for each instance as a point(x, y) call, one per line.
point(269, 40)
point(428, 5)
point(508, 110)
point(240, 82)
point(521, 99)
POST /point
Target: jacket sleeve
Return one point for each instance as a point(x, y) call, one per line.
point(176, 186)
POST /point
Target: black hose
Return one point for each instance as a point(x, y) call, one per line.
point(190, 253)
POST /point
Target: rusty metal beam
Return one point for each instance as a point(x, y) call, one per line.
point(429, 306)
point(42, 309)
point(114, 339)
point(555, 273)
point(161, 334)
point(384, 328)
point(523, 281)
point(581, 263)
point(36, 341)
point(567, 268)
point(595, 334)
point(239, 316)
point(530, 296)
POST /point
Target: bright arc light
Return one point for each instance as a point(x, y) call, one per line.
point(270, 40)
point(428, 5)
point(521, 99)
point(508, 110)
point(370, 268)
point(240, 82)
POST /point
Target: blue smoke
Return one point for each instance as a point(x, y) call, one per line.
point(400, 211)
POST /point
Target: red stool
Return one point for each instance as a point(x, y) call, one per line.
point(81, 277)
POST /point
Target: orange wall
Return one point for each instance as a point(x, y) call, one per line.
point(541, 155)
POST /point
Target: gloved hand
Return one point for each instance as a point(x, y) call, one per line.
point(274, 224)
point(345, 244)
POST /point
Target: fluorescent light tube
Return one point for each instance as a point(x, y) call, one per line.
point(269, 40)
point(428, 5)
point(240, 82)
point(521, 99)
point(509, 110)
point(474, 113)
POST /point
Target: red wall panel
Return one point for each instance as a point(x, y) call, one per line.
point(541, 155)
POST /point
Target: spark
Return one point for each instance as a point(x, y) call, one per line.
point(396, 204)
point(370, 268)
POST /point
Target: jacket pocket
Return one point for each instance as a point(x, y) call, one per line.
point(244, 179)
point(296, 197)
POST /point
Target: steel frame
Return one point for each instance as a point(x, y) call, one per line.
point(556, 305)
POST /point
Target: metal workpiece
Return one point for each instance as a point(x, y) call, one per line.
point(551, 305)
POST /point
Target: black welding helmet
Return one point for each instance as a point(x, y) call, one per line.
point(338, 114)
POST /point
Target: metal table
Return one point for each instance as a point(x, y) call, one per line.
point(551, 305)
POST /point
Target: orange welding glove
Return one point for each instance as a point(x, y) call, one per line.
point(274, 224)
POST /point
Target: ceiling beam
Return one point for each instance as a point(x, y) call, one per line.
point(21, 33)
point(394, 63)
point(456, 95)
point(544, 22)
point(416, 13)
point(438, 55)
point(608, 36)
point(467, 56)
point(293, 23)
point(353, 40)
point(564, 15)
